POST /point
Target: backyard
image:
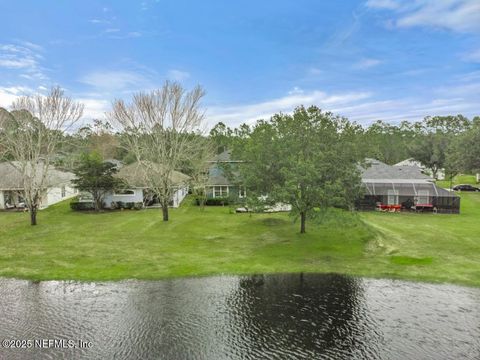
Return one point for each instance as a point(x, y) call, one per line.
point(138, 244)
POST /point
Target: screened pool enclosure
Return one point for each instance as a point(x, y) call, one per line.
point(408, 195)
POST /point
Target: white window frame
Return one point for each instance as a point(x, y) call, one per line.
point(222, 192)
point(423, 195)
point(392, 194)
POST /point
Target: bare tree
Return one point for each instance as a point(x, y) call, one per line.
point(161, 129)
point(31, 139)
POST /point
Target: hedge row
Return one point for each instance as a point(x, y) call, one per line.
point(86, 206)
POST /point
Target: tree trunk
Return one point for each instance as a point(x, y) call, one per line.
point(33, 216)
point(302, 222)
point(165, 212)
point(97, 202)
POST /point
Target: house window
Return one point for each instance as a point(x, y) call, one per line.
point(220, 191)
point(124, 192)
point(423, 197)
point(392, 197)
point(64, 192)
point(242, 192)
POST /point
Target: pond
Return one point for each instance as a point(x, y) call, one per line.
point(294, 316)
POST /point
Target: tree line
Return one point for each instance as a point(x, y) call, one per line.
point(309, 159)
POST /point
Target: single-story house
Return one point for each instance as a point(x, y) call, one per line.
point(137, 190)
point(403, 187)
point(58, 186)
point(219, 185)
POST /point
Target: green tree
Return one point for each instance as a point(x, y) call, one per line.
point(464, 152)
point(434, 136)
point(386, 142)
point(96, 177)
point(306, 160)
point(220, 136)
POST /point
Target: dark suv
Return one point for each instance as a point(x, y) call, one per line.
point(465, 187)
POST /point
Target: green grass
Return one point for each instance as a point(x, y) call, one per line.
point(459, 179)
point(138, 244)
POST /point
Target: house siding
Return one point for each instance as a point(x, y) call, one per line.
point(179, 195)
point(136, 197)
point(54, 195)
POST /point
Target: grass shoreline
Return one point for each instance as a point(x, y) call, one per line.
point(137, 245)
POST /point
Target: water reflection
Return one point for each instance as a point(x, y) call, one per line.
point(302, 316)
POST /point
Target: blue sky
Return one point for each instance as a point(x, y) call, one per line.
point(392, 60)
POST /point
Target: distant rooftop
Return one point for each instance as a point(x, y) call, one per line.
point(11, 177)
point(377, 170)
point(225, 156)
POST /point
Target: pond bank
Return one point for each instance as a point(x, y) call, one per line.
point(137, 244)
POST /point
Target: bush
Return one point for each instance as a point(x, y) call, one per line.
point(81, 206)
point(126, 205)
point(220, 201)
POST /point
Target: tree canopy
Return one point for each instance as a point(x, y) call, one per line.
point(305, 159)
point(96, 176)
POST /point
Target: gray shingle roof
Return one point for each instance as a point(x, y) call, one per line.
point(133, 174)
point(11, 177)
point(216, 176)
point(378, 170)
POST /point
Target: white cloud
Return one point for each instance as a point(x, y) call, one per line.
point(25, 58)
point(367, 63)
point(235, 115)
point(473, 56)
point(17, 63)
point(454, 15)
point(99, 21)
point(118, 35)
point(382, 4)
point(459, 98)
point(94, 108)
point(32, 46)
point(9, 94)
point(113, 81)
point(178, 75)
point(314, 71)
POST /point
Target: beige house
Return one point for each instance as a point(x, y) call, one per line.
point(58, 186)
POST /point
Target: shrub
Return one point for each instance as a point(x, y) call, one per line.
point(126, 205)
point(220, 201)
point(81, 206)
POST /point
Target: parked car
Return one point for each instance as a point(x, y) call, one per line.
point(465, 187)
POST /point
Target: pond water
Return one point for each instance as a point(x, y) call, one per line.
point(290, 316)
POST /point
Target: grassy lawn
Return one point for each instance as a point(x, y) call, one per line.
point(459, 179)
point(137, 244)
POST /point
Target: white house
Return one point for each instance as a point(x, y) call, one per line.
point(137, 190)
point(58, 186)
